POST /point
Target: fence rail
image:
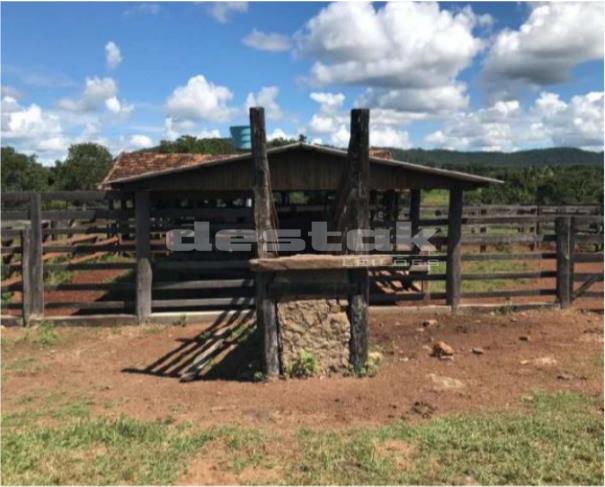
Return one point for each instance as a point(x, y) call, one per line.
point(91, 252)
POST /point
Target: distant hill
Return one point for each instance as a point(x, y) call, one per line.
point(559, 156)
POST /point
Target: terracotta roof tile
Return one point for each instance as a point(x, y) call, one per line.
point(138, 163)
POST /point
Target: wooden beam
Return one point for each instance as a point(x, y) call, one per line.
point(564, 280)
point(355, 215)
point(26, 242)
point(454, 248)
point(415, 210)
point(265, 224)
point(143, 256)
point(35, 257)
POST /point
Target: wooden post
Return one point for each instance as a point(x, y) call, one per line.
point(26, 243)
point(35, 257)
point(415, 210)
point(143, 254)
point(563, 231)
point(265, 224)
point(483, 229)
point(454, 232)
point(356, 216)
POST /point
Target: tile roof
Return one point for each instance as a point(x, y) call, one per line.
point(130, 164)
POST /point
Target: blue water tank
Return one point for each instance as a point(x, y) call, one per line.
point(241, 137)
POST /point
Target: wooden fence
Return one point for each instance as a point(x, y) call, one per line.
point(103, 255)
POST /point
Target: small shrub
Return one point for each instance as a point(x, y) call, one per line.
point(305, 365)
point(46, 334)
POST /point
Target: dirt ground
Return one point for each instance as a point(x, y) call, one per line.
point(136, 370)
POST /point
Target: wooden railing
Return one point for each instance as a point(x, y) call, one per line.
point(94, 254)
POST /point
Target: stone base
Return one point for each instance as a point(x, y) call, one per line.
point(319, 327)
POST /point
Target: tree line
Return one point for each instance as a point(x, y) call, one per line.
point(542, 176)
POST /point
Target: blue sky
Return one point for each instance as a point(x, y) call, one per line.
point(468, 76)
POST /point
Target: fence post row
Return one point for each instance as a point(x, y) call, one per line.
point(143, 256)
point(564, 269)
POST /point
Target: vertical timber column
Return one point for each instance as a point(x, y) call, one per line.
point(35, 258)
point(359, 182)
point(564, 281)
point(415, 210)
point(264, 219)
point(26, 243)
point(143, 254)
point(453, 279)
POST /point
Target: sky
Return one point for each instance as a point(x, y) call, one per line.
point(466, 76)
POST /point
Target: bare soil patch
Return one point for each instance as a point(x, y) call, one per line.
point(135, 370)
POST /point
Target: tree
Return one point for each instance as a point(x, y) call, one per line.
point(21, 172)
point(188, 144)
point(84, 168)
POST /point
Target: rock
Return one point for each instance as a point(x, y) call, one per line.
point(427, 323)
point(442, 349)
point(423, 409)
point(540, 361)
point(477, 351)
point(524, 338)
point(444, 383)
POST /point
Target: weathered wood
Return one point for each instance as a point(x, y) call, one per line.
point(415, 196)
point(26, 242)
point(564, 281)
point(314, 289)
point(454, 249)
point(320, 262)
point(509, 293)
point(144, 273)
point(484, 276)
point(35, 257)
point(240, 301)
point(354, 215)
point(204, 284)
point(265, 222)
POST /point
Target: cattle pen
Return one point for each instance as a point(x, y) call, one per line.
point(101, 257)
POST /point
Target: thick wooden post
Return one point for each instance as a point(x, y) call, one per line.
point(563, 231)
point(453, 274)
point(35, 257)
point(143, 254)
point(26, 300)
point(265, 223)
point(357, 218)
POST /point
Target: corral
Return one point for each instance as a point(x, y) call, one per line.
point(151, 196)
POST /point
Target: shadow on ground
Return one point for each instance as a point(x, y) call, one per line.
point(228, 350)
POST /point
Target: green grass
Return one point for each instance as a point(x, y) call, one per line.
point(483, 267)
point(554, 439)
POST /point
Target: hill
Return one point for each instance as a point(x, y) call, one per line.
point(558, 156)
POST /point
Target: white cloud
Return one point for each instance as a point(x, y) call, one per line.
point(145, 8)
point(174, 129)
point(332, 123)
point(506, 126)
point(279, 134)
point(113, 55)
point(401, 45)
point(267, 41)
point(267, 98)
point(10, 91)
point(200, 99)
point(578, 123)
point(328, 101)
point(555, 37)
point(139, 141)
point(31, 128)
point(223, 11)
point(422, 101)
